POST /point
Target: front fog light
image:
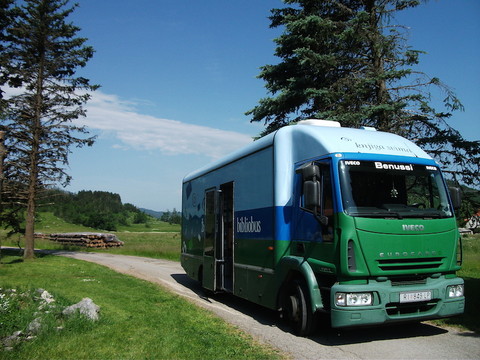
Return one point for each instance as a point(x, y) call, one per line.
point(353, 299)
point(455, 291)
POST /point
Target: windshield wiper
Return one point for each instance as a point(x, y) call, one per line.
point(380, 214)
point(426, 214)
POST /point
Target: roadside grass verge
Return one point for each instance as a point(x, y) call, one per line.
point(138, 320)
point(470, 272)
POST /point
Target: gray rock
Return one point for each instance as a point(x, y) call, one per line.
point(46, 299)
point(35, 326)
point(12, 340)
point(86, 307)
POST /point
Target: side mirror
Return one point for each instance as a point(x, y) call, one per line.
point(312, 191)
point(310, 172)
point(311, 195)
point(456, 196)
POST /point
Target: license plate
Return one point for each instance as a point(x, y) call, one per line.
point(414, 296)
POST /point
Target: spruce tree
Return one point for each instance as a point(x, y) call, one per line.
point(44, 54)
point(6, 19)
point(347, 60)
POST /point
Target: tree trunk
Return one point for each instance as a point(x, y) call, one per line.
point(34, 170)
point(382, 96)
point(31, 199)
point(30, 226)
point(3, 153)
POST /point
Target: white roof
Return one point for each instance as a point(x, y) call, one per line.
point(311, 141)
point(308, 140)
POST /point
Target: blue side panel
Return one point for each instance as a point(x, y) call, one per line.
point(284, 222)
point(252, 178)
point(307, 227)
point(255, 224)
point(264, 224)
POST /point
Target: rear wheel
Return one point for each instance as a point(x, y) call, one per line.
point(296, 308)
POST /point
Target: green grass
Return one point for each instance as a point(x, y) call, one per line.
point(138, 320)
point(48, 223)
point(154, 245)
point(470, 272)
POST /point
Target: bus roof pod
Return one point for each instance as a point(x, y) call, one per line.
point(318, 122)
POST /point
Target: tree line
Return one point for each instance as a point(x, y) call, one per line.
point(172, 217)
point(97, 209)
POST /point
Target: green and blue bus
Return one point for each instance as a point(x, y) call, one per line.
point(316, 218)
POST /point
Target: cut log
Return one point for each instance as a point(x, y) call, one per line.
point(85, 239)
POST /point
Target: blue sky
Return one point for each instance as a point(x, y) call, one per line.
point(177, 76)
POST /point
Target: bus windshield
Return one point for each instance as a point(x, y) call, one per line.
point(393, 190)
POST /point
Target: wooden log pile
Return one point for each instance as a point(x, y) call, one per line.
point(85, 239)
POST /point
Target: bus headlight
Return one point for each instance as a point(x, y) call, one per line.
point(353, 299)
point(455, 291)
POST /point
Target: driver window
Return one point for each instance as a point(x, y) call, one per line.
point(327, 201)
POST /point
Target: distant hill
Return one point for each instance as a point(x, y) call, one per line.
point(155, 214)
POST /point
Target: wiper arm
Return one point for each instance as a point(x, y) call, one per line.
point(383, 214)
point(426, 215)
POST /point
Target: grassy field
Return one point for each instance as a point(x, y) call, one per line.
point(138, 320)
point(157, 240)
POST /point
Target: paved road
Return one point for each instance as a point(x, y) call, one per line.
point(417, 341)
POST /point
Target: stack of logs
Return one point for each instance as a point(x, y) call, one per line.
point(86, 239)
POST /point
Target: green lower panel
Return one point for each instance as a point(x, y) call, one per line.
point(191, 264)
point(255, 284)
point(254, 252)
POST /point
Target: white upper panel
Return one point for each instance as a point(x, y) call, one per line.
point(313, 141)
point(308, 140)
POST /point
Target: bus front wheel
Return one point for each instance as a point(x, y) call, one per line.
point(296, 308)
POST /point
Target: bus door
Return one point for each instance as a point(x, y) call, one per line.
point(218, 239)
point(209, 275)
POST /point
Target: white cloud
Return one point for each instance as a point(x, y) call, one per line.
point(110, 114)
point(144, 132)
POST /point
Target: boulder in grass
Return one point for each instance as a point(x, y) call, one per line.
point(86, 307)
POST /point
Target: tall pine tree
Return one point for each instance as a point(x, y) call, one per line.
point(346, 60)
point(6, 17)
point(44, 54)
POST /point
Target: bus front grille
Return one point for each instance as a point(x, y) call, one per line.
point(410, 264)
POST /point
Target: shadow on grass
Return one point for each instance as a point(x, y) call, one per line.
point(11, 256)
point(15, 255)
point(470, 319)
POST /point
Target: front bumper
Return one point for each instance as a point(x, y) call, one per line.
point(387, 307)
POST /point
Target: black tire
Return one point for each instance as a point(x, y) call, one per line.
point(297, 308)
